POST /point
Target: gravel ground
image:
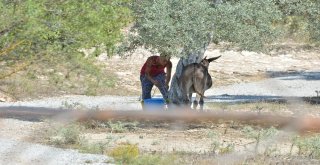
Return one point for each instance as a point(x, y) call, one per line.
point(283, 86)
point(295, 85)
point(302, 83)
point(18, 152)
point(21, 153)
point(80, 101)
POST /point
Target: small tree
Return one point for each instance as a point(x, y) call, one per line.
point(46, 34)
point(60, 27)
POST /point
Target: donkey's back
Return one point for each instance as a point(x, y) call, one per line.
point(195, 78)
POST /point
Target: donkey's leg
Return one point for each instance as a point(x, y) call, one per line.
point(196, 101)
point(189, 99)
point(199, 87)
point(186, 101)
point(201, 102)
point(184, 87)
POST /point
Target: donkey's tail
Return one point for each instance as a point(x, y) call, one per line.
point(203, 96)
point(194, 82)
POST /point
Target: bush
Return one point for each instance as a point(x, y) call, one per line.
point(125, 153)
point(66, 135)
point(309, 146)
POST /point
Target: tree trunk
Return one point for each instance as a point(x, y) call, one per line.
point(175, 95)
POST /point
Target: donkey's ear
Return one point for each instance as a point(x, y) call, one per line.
point(213, 58)
point(205, 57)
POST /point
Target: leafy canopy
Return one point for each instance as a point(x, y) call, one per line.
point(302, 16)
point(61, 26)
point(248, 23)
point(172, 25)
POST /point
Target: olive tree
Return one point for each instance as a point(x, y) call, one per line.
point(184, 28)
point(248, 24)
point(181, 28)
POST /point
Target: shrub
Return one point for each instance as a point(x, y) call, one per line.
point(125, 153)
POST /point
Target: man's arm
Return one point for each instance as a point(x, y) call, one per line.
point(147, 71)
point(168, 73)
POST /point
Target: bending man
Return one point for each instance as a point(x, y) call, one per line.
point(153, 73)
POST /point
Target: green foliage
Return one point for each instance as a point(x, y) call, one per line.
point(172, 25)
point(62, 25)
point(250, 24)
point(176, 26)
point(120, 126)
point(55, 75)
point(302, 18)
point(92, 148)
point(188, 25)
point(130, 154)
point(72, 106)
point(259, 135)
point(125, 153)
point(66, 135)
point(46, 37)
point(227, 149)
point(309, 146)
point(70, 135)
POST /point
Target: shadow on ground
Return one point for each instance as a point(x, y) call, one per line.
point(294, 75)
point(34, 114)
point(256, 98)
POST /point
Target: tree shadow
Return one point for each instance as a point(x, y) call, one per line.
point(295, 75)
point(34, 114)
point(233, 99)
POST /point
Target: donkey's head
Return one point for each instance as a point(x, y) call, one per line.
point(205, 62)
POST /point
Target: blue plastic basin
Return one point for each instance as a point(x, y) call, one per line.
point(153, 104)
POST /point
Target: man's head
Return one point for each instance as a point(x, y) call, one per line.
point(164, 59)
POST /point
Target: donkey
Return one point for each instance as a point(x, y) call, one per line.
point(195, 78)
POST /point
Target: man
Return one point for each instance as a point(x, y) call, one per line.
point(153, 73)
